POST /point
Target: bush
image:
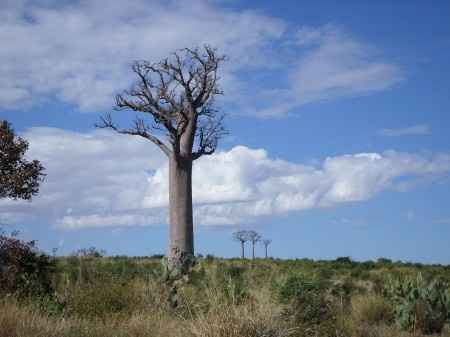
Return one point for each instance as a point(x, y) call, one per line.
point(296, 286)
point(342, 290)
point(99, 300)
point(344, 259)
point(90, 252)
point(231, 279)
point(24, 270)
point(308, 305)
point(418, 304)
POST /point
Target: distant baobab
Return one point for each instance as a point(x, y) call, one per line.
point(253, 237)
point(266, 243)
point(242, 237)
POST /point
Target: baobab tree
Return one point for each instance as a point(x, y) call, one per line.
point(173, 101)
point(253, 237)
point(266, 243)
point(242, 237)
point(19, 178)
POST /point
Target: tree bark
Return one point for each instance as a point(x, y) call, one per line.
point(266, 252)
point(242, 250)
point(253, 250)
point(180, 208)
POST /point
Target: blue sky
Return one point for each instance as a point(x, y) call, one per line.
point(338, 117)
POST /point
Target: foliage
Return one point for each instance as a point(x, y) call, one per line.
point(308, 305)
point(232, 282)
point(19, 178)
point(23, 269)
point(419, 304)
point(101, 299)
point(296, 286)
point(90, 252)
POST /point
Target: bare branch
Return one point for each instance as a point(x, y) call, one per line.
point(209, 134)
point(266, 242)
point(178, 94)
point(139, 129)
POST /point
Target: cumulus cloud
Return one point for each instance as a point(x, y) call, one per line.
point(415, 130)
point(80, 53)
point(101, 179)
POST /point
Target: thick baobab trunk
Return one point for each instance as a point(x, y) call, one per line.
point(181, 239)
point(253, 250)
point(266, 251)
point(242, 250)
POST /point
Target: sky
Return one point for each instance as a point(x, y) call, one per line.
point(338, 117)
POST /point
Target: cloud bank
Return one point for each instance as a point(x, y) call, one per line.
point(100, 179)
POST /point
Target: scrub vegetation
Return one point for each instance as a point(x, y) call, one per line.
point(89, 294)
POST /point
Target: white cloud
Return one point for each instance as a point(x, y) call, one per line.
point(113, 220)
point(342, 65)
point(101, 179)
point(80, 53)
point(415, 130)
point(331, 64)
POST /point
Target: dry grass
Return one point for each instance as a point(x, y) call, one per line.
point(215, 306)
point(17, 321)
point(371, 309)
point(239, 321)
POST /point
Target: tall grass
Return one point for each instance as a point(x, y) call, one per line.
point(124, 297)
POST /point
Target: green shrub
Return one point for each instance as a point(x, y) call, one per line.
point(307, 305)
point(232, 282)
point(100, 299)
point(418, 304)
point(296, 285)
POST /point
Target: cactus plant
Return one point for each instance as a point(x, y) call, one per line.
point(419, 304)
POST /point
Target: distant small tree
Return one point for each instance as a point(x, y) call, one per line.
point(19, 178)
point(90, 252)
point(242, 237)
point(253, 237)
point(266, 243)
point(344, 259)
point(383, 260)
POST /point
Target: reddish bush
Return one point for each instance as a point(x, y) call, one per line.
point(23, 269)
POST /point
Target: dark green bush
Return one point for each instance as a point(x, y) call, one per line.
point(344, 259)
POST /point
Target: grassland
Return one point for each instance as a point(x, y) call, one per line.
point(125, 297)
